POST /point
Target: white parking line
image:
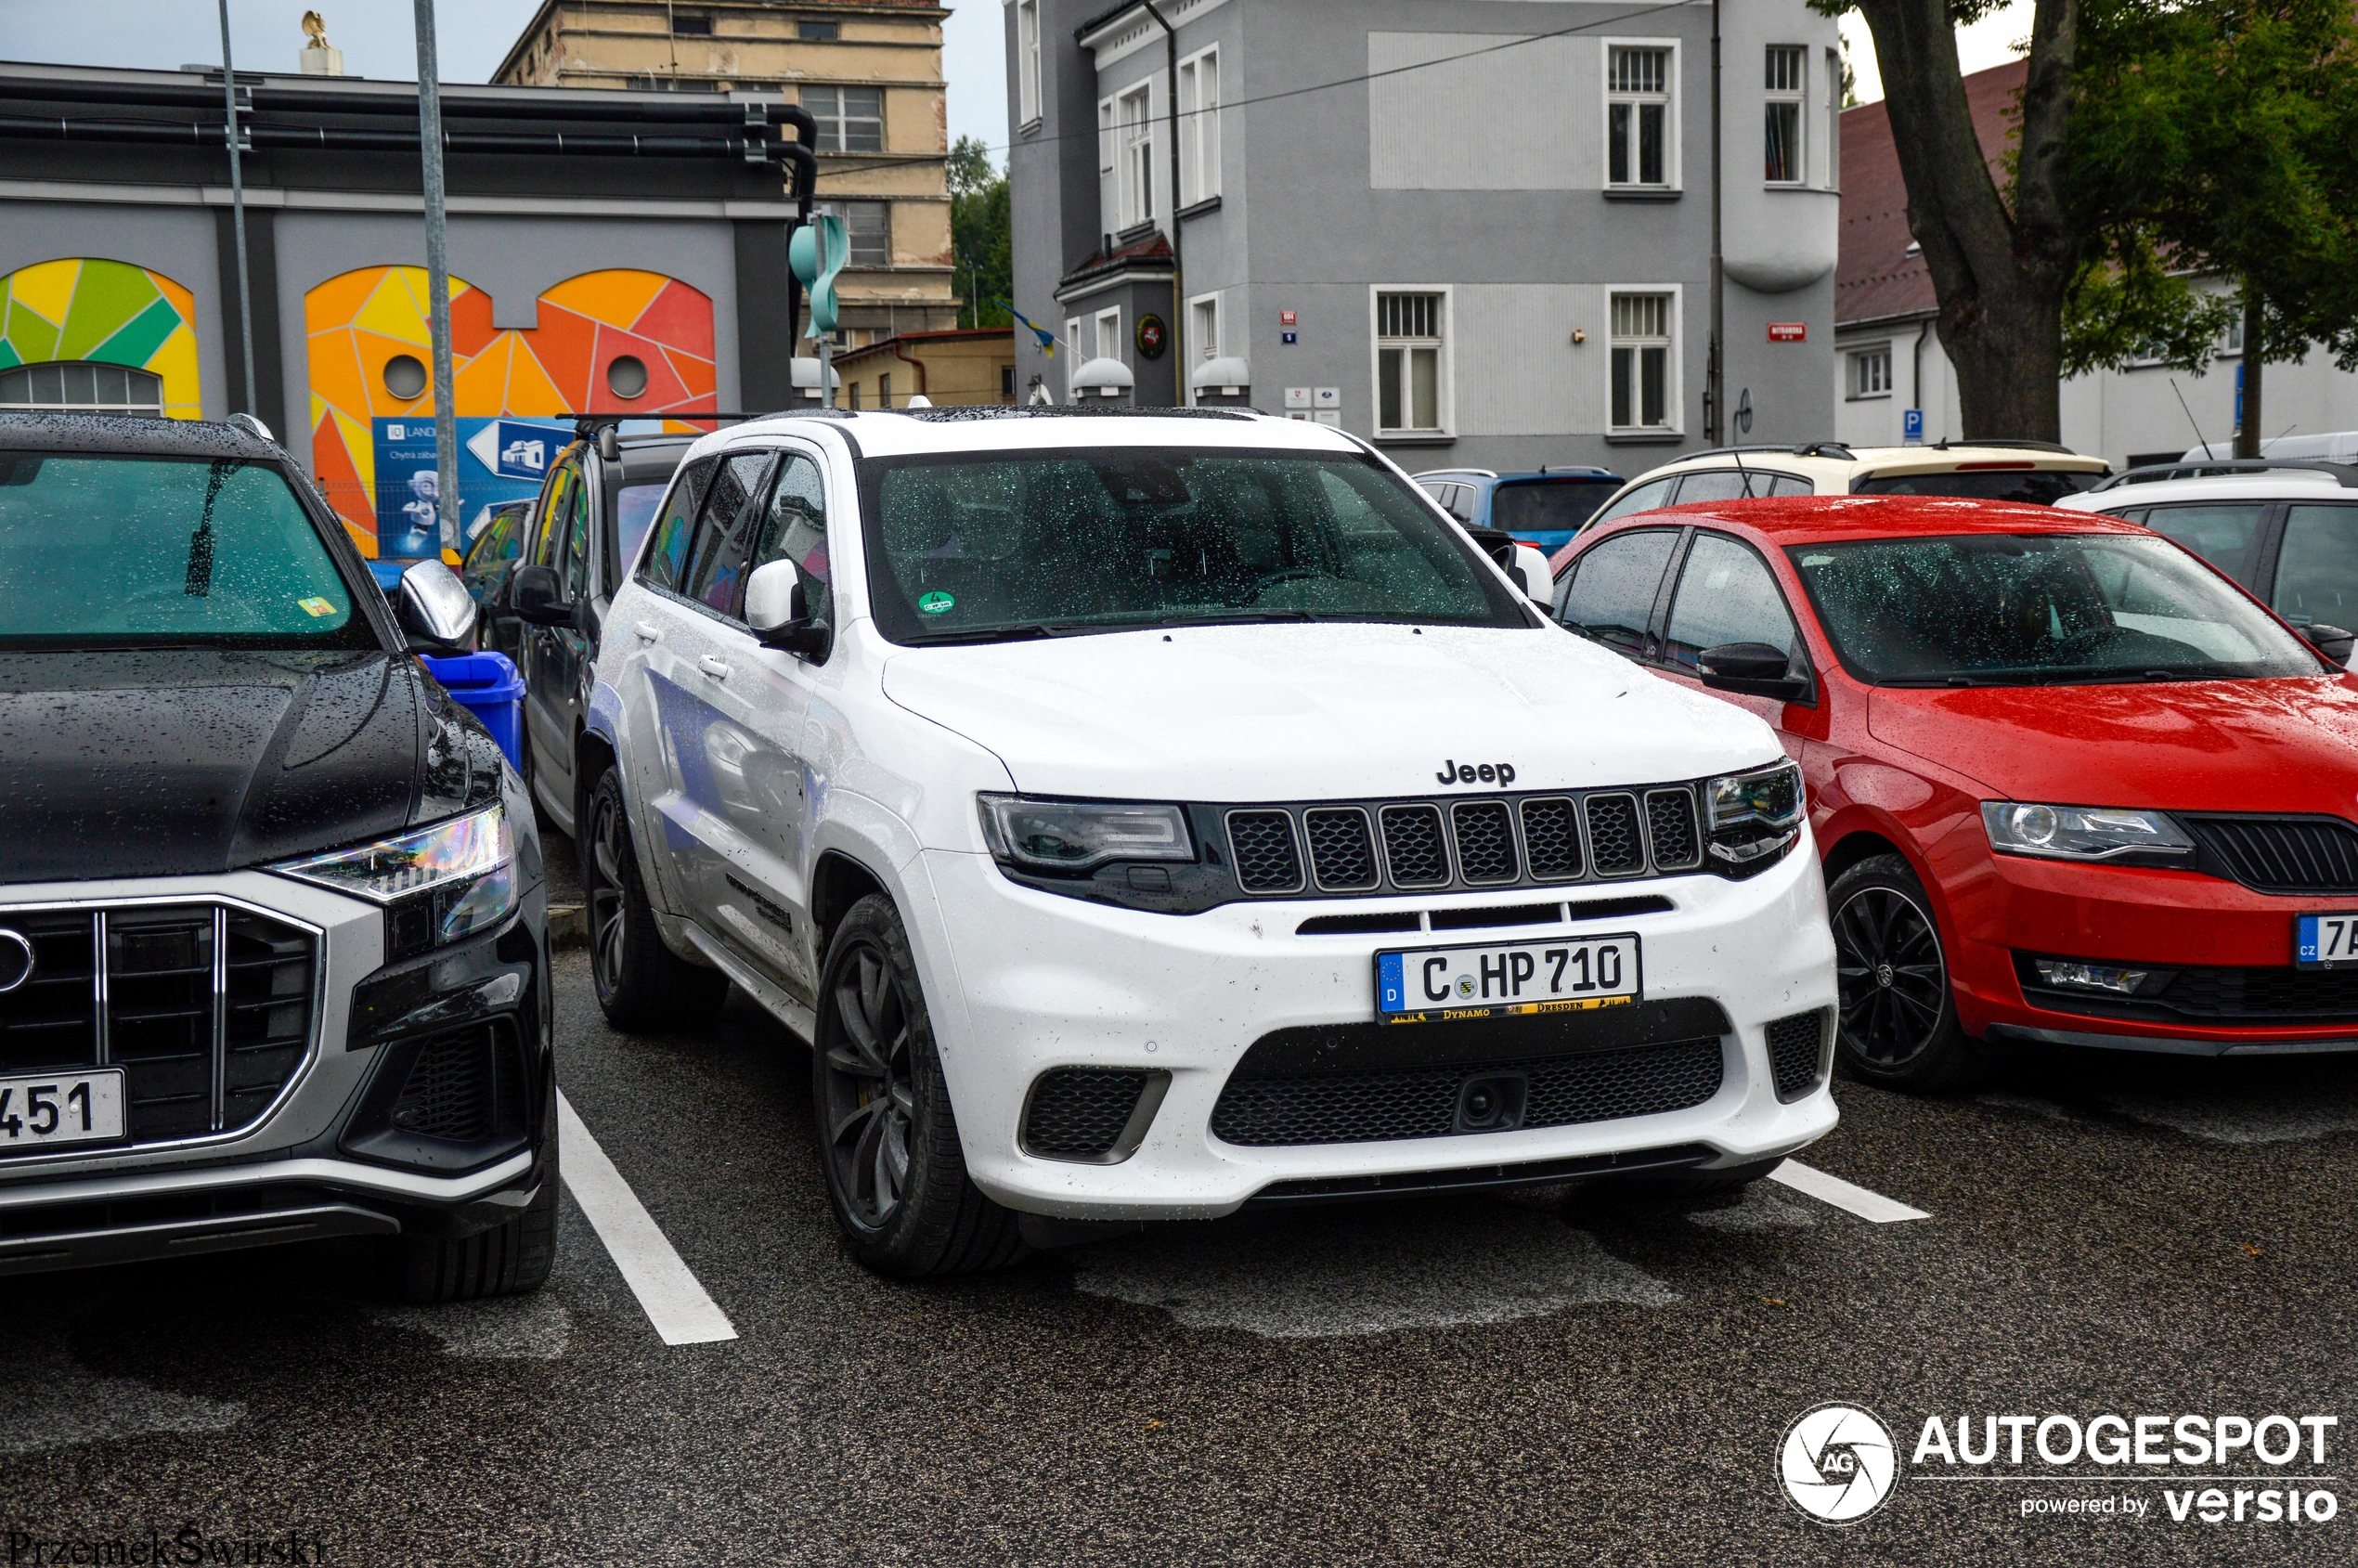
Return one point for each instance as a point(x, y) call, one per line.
point(1843, 1195)
point(674, 1302)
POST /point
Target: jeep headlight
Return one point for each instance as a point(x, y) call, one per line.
point(1751, 819)
point(2082, 833)
point(438, 884)
point(1074, 835)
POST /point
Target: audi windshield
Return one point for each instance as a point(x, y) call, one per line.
point(994, 547)
point(2039, 609)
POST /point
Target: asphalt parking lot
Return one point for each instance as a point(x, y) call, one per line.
point(1572, 1376)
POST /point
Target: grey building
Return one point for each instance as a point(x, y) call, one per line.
point(1475, 231)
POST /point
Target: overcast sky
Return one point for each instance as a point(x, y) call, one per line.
point(475, 35)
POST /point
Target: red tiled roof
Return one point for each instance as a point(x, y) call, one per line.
point(1876, 277)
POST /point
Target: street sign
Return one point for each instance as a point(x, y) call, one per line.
point(1911, 426)
point(1288, 337)
point(1788, 332)
point(1286, 318)
point(817, 253)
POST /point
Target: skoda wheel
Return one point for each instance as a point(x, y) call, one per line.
point(642, 985)
point(1898, 1022)
point(889, 1144)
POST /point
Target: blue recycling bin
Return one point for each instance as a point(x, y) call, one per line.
point(488, 686)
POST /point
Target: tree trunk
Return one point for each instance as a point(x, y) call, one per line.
point(2000, 273)
point(2247, 427)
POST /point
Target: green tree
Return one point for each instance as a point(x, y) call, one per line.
point(2230, 128)
point(980, 245)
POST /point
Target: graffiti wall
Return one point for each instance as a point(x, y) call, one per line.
point(86, 308)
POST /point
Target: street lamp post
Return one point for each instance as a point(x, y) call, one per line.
point(446, 422)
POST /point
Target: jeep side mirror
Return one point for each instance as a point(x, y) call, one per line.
point(1755, 668)
point(2330, 641)
point(536, 595)
point(778, 611)
point(435, 609)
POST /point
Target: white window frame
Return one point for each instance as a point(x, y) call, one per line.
point(1672, 165)
point(1831, 72)
point(1073, 359)
point(1673, 393)
point(1855, 364)
point(1199, 126)
point(1110, 315)
point(1445, 391)
point(1028, 61)
point(1135, 156)
point(1796, 95)
point(1202, 347)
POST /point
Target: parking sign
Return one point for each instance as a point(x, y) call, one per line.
point(1911, 426)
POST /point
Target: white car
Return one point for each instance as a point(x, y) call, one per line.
point(1147, 814)
point(2286, 528)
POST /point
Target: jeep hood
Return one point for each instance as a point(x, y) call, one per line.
point(1318, 712)
point(173, 762)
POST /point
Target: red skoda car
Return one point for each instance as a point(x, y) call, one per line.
point(2072, 786)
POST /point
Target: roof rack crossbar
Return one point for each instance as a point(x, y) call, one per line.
point(2345, 475)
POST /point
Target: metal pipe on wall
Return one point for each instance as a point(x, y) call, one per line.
point(446, 419)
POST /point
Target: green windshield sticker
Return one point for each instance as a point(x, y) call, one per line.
point(936, 603)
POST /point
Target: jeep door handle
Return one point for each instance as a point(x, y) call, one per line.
point(644, 632)
point(713, 668)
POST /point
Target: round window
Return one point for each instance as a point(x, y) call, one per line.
point(405, 377)
point(626, 377)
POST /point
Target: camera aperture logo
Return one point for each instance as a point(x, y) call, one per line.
point(1838, 1463)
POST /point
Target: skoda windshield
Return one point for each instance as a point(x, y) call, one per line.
point(992, 547)
point(2039, 609)
point(117, 550)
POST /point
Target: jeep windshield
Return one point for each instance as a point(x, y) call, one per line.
point(2037, 610)
point(117, 550)
point(1000, 545)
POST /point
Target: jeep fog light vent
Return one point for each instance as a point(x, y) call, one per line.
point(1091, 1115)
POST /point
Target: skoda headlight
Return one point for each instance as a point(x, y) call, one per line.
point(2082, 833)
point(1750, 820)
point(1073, 835)
point(436, 884)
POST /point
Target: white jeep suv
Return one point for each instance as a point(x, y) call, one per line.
point(1144, 814)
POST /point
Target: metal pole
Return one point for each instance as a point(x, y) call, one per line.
point(827, 370)
point(446, 422)
point(1178, 290)
point(1716, 370)
point(236, 134)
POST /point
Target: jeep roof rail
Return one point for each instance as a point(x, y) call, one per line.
point(2345, 475)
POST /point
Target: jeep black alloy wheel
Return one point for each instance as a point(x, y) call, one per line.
point(642, 984)
point(870, 1101)
point(1899, 1024)
point(609, 916)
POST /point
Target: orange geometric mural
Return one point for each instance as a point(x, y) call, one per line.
point(359, 323)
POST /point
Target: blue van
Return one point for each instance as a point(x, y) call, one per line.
point(1545, 508)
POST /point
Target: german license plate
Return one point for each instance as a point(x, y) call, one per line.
point(2326, 941)
point(60, 1108)
point(1496, 979)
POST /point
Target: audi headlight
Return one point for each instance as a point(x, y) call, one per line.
point(1751, 819)
point(436, 884)
point(1072, 836)
point(2083, 832)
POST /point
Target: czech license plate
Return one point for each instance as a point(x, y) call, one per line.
point(1493, 979)
point(2326, 941)
point(60, 1108)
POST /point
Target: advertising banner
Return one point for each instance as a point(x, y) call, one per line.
point(500, 459)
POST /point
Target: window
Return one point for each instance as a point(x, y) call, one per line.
point(666, 555)
point(1199, 128)
point(556, 509)
point(87, 388)
point(1871, 372)
point(1109, 336)
point(1028, 60)
point(817, 32)
point(650, 82)
point(794, 528)
point(851, 391)
point(1638, 124)
point(721, 532)
point(1641, 368)
point(2223, 534)
point(1732, 484)
point(1408, 363)
point(1788, 78)
point(1134, 172)
point(2317, 567)
point(1075, 352)
point(867, 225)
point(1726, 594)
point(1832, 76)
point(634, 512)
point(689, 24)
point(1007, 383)
point(575, 566)
point(1645, 497)
point(1609, 597)
point(884, 389)
point(851, 119)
